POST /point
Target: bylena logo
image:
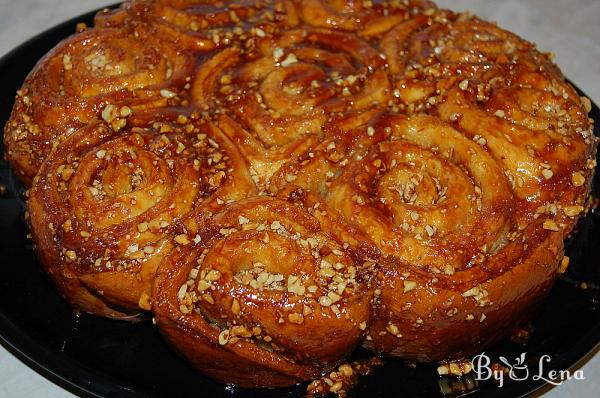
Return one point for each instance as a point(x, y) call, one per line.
point(519, 370)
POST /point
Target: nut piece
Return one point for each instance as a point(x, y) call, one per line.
point(70, 255)
point(224, 337)
point(108, 113)
point(547, 173)
point(142, 227)
point(235, 307)
point(145, 302)
point(296, 318)
point(167, 93)
point(573, 211)
point(587, 104)
point(577, 179)
point(564, 264)
point(458, 368)
point(551, 225)
point(409, 285)
point(182, 239)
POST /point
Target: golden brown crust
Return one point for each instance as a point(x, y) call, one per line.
point(75, 81)
point(434, 317)
point(279, 112)
point(107, 206)
point(426, 195)
point(203, 26)
point(266, 288)
point(447, 157)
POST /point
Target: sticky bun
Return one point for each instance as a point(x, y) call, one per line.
point(107, 207)
point(269, 281)
point(73, 84)
point(280, 181)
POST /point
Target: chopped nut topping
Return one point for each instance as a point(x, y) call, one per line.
point(142, 227)
point(393, 329)
point(167, 93)
point(125, 111)
point(289, 60)
point(277, 53)
point(551, 225)
point(108, 114)
point(409, 285)
point(459, 368)
point(145, 302)
point(212, 275)
point(296, 318)
point(479, 294)
point(340, 381)
point(564, 264)
point(235, 307)
point(578, 179)
point(182, 239)
point(259, 278)
point(70, 255)
point(67, 62)
point(325, 301)
point(573, 211)
point(547, 174)
point(587, 104)
point(224, 337)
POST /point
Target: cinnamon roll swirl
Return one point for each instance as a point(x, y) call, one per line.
point(441, 211)
point(268, 281)
point(367, 18)
point(204, 25)
point(73, 83)
point(107, 207)
point(425, 183)
point(283, 90)
point(505, 95)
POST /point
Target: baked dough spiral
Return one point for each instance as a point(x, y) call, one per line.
point(75, 81)
point(367, 18)
point(107, 207)
point(248, 292)
point(439, 208)
point(204, 25)
point(282, 91)
point(279, 181)
point(503, 94)
point(426, 195)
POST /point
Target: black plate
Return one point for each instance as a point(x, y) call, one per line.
point(97, 357)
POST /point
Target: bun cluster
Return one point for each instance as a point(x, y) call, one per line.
point(279, 182)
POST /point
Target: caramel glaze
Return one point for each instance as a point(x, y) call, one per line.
point(73, 83)
point(281, 181)
point(270, 280)
point(106, 207)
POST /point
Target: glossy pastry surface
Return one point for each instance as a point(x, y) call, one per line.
point(72, 85)
point(266, 283)
point(278, 182)
point(107, 206)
